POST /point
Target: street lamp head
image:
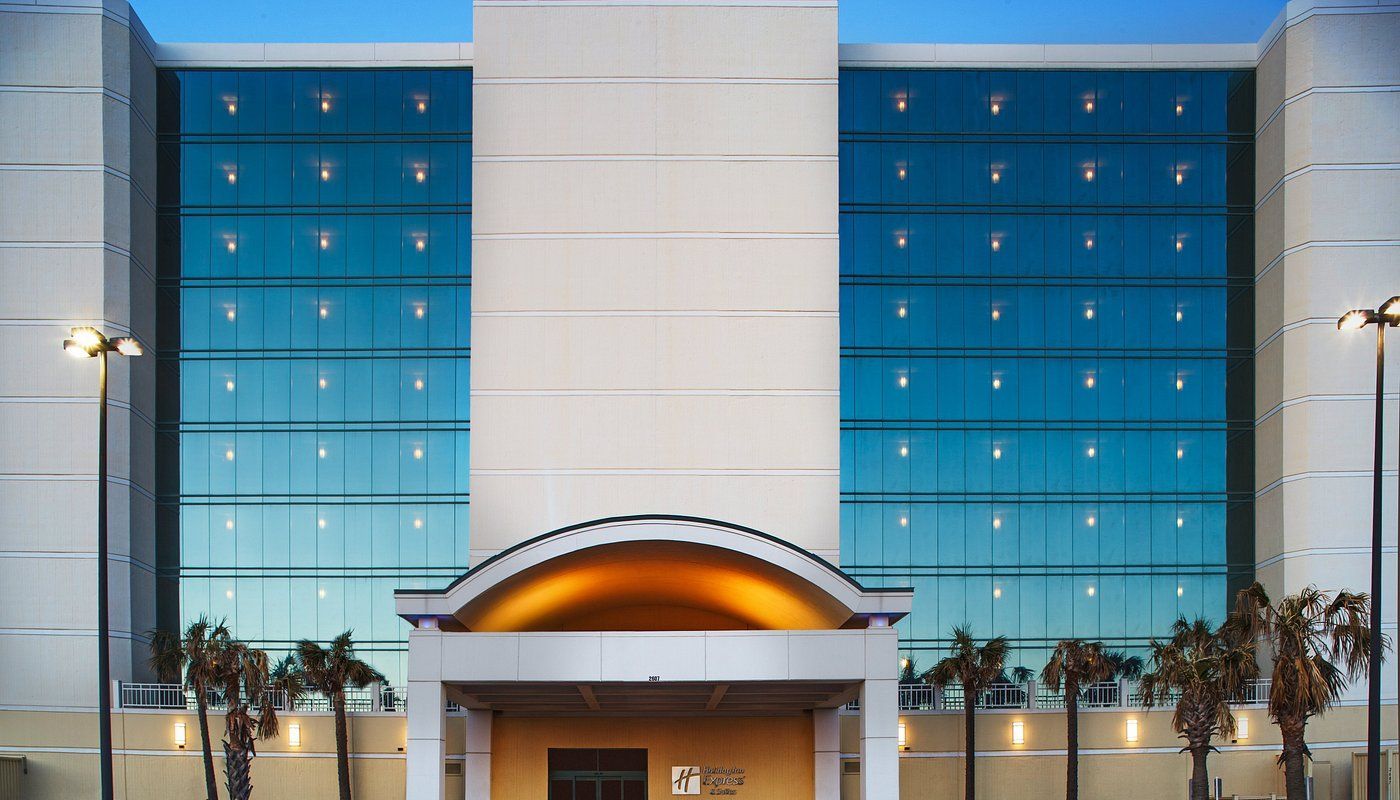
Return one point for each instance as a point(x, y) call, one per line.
point(1354, 320)
point(1390, 309)
point(75, 348)
point(127, 346)
point(87, 337)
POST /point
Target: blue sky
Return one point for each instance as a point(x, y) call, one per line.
point(990, 21)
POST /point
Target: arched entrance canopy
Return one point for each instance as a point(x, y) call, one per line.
point(654, 573)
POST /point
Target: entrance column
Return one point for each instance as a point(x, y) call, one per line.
point(477, 770)
point(826, 753)
point(427, 717)
point(879, 739)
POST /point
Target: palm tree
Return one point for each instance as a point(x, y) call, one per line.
point(331, 671)
point(975, 667)
point(1318, 641)
point(1203, 669)
point(252, 693)
point(190, 661)
point(1075, 664)
point(1125, 667)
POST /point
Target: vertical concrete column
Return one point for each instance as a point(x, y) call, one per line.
point(879, 739)
point(477, 770)
point(427, 717)
point(826, 754)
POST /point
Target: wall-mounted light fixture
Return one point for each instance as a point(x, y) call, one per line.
point(180, 735)
point(294, 734)
point(1130, 730)
point(903, 737)
point(1018, 732)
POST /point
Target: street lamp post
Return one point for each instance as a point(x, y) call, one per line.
point(87, 342)
point(1387, 316)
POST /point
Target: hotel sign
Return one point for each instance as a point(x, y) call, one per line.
point(706, 780)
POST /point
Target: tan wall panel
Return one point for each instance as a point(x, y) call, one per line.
point(654, 432)
point(1322, 206)
point(1288, 516)
point(1317, 437)
point(664, 118)
point(1323, 283)
point(59, 206)
point(713, 42)
point(1343, 50)
point(654, 197)
point(659, 274)
point(775, 752)
point(647, 352)
point(507, 509)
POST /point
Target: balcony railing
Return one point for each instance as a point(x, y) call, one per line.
point(174, 696)
point(1034, 695)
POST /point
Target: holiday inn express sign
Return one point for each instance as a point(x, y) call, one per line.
point(706, 780)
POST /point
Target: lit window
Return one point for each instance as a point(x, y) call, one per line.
point(1091, 522)
point(1178, 316)
point(996, 453)
point(228, 593)
point(996, 523)
point(903, 381)
point(1180, 522)
point(904, 450)
point(232, 246)
point(900, 242)
point(1180, 591)
point(1179, 109)
point(321, 523)
point(1180, 452)
point(420, 244)
point(422, 106)
point(996, 592)
point(1089, 313)
point(419, 311)
point(418, 385)
point(321, 593)
point(1088, 243)
point(420, 175)
point(325, 312)
point(1179, 177)
point(903, 522)
point(1180, 384)
point(1089, 174)
point(996, 108)
point(902, 173)
point(1089, 106)
point(325, 173)
point(901, 104)
point(902, 312)
point(1091, 591)
point(325, 241)
point(231, 315)
point(996, 383)
point(1179, 245)
point(1092, 452)
point(232, 176)
point(996, 245)
point(322, 383)
point(228, 386)
point(321, 452)
point(996, 314)
point(418, 523)
point(1089, 382)
point(232, 108)
point(325, 104)
point(417, 452)
point(996, 176)
point(228, 524)
point(228, 454)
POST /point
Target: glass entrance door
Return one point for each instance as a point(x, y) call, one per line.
point(597, 774)
point(565, 785)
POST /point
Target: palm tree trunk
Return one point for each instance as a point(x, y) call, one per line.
point(970, 733)
point(1295, 750)
point(1072, 740)
point(211, 783)
point(1200, 778)
point(238, 767)
point(342, 745)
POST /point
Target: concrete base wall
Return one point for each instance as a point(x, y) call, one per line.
point(61, 751)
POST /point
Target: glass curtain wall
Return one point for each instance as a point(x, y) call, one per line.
point(314, 272)
point(1046, 349)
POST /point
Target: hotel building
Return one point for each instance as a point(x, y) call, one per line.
point(647, 381)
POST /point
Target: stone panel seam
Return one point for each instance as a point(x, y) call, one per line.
point(85, 245)
point(83, 556)
point(73, 632)
point(81, 477)
point(1320, 551)
point(1355, 89)
point(1380, 166)
point(1321, 398)
point(1276, 260)
point(1321, 474)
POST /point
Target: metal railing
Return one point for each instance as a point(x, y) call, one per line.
point(175, 696)
point(1034, 695)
